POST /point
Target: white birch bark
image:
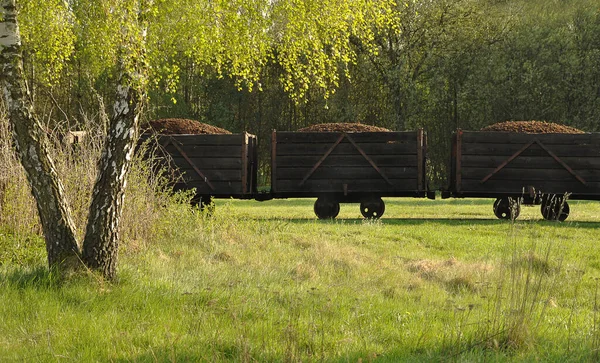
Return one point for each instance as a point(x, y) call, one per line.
point(31, 144)
point(101, 241)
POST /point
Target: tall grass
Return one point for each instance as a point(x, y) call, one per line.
point(249, 284)
point(147, 194)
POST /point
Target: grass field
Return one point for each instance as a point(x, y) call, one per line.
point(431, 280)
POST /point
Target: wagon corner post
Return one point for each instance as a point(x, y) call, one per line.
point(421, 157)
point(274, 161)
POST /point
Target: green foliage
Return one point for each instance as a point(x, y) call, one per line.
point(21, 250)
point(47, 31)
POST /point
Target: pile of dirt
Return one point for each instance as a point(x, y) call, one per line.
point(532, 127)
point(343, 127)
point(174, 126)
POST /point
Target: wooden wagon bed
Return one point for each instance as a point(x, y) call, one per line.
point(219, 166)
point(498, 163)
point(348, 165)
point(521, 168)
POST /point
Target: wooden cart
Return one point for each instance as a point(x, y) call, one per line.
point(520, 168)
point(353, 167)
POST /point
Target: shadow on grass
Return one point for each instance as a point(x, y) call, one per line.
point(31, 278)
point(442, 221)
point(234, 353)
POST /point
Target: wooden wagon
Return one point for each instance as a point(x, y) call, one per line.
point(520, 168)
point(214, 165)
point(349, 167)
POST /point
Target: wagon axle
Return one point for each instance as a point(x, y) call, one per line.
point(329, 207)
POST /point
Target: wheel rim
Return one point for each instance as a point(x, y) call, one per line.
point(373, 208)
point(507, 208)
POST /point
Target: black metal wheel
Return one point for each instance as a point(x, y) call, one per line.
point(555, 208)
point(372, 208)
point(507, 208)
point(326, 208)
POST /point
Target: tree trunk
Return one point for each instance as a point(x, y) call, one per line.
point(100, 245)
point(32, 146)
point(101, 241)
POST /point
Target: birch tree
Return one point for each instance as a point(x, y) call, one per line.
point(32, 146)
point(100, 245)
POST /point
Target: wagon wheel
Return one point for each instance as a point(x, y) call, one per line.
point(205, 203)
point(372, 208)
point(555, 208)
point(326, 208)
point(507, 208)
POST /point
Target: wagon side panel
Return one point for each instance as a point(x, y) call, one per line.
point(515, 164)
point(216, 165)
point(384, 163)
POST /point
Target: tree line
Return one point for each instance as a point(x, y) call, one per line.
point(441, 64)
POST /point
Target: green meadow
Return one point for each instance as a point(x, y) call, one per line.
point(436, 280)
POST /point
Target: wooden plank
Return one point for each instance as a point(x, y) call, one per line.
point(212, 174)
point(252, 164)
point(459, 154)
point(350, 173)
point(191, 163)
point(274, 160)
point(375, 166)
point(353, 186)
point(331, 137)
point(201, 151)
point(220, 188)
point(329, 150)
point(244, 158)
point(210, 163)
point(534, 150)
point(218, 139)
point(421, 146)
point(453, 162)
point(530, 174)
point(518, 186)
point(346, 148)
point(522, 138)
point(347, 160)
point(526, 162)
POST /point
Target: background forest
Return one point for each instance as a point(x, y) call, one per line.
point(436, 64)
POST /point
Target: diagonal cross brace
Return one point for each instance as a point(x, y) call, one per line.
point(515, 155)
point(190, 162)
point(342, 136)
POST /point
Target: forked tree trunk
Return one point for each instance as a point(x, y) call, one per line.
point(100, 245)
point(32, 146)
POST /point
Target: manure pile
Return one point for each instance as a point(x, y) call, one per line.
point(175, 126)
point(532, 127)
point(343, 127)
